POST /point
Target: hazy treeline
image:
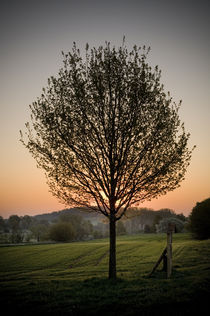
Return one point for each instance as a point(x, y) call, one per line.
point(150, 221)
point(74, 225)
point(69, 227)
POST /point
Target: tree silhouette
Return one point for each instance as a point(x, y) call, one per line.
point(199, 223)
point(106, 133)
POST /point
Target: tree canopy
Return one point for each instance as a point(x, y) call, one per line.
point(104, 130)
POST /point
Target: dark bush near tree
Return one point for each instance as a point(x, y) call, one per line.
point(200, 220)
point(62, 232)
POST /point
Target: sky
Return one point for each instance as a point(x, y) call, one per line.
point(32, 36)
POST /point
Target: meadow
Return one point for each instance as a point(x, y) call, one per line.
point(71, 278)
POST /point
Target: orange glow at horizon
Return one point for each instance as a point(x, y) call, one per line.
point(25, 192)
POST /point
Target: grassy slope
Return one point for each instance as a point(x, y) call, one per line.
point(71, 278)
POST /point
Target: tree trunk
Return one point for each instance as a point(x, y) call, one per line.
point(112, 248)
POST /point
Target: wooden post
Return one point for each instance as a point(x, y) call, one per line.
point(171, 228)
point(166, 255)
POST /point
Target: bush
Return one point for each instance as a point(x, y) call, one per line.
point(200, 220)
point(62, 232)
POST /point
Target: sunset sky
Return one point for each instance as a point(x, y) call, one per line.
point(32, 36)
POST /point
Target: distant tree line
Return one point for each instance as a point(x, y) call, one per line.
point(75, 224)
point(67, 225)
point(150, 221)
point(17, 229)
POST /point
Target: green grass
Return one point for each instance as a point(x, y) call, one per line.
point(71, 278)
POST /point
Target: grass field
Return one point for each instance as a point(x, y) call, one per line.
point(71, 278)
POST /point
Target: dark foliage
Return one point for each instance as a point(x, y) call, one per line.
point(200, 220)
point(62, 232)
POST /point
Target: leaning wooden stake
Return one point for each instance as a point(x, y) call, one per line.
point(159, 261)
point(166, 255)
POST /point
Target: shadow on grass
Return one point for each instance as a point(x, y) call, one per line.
point(95, 296)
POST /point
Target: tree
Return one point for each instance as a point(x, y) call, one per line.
point(181, 217)
point(26, 222)
point(199, 219)
point(162, 226)
point(107, 135)
point(81, 227)
point(2, 224)
point(14, 225)
point(39, 231)
point(166, 212)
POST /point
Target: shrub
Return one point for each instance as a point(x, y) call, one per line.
point(62, 232)
point(200, 220)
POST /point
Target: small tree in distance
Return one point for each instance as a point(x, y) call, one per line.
point(162, 226)
point(107, 135)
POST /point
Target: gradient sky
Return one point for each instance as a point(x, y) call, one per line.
point(32, 36)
